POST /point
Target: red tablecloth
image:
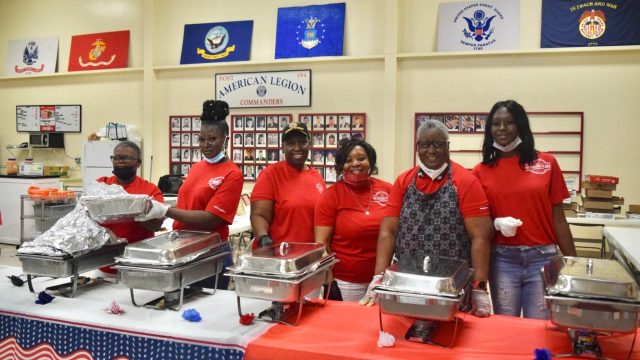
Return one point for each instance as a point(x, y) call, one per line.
point(350, 331)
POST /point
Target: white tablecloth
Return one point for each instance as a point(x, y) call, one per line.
point(627, 241)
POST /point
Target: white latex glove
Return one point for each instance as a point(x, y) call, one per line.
point(480, 305)
point(507, 225)
point(156, 211)
point(371, 297)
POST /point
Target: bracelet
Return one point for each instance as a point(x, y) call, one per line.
point(479, 285)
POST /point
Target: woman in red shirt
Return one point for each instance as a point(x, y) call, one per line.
point(286, 192)
point(525, 189)
point(347, 219)
point(209, 197)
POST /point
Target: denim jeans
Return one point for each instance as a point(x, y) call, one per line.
point(516, 282)
point(223, 281)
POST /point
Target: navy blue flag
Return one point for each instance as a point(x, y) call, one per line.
point(308, 31)
point(568, 23)
point(216, 42)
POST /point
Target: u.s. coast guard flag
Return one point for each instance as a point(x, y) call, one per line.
point(479, 25)
point(307, 31)
point(216, 42)
point(567, 23)
point(31, 56)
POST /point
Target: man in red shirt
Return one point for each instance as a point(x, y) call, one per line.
point(126, 161)
point(438, 209)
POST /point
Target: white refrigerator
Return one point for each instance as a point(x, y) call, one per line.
point(96, 159)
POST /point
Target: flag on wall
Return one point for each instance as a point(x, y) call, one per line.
point(216, 42)
point(308, 31)
point(567, 23)
point(31, 56)
point(479, 25)
point(99, 51)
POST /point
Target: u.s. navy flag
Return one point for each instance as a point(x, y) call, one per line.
point(568, 23)
point(216, 42)
point(479, 25)
point(31, 56)
point(108, 50)
point(308, 31)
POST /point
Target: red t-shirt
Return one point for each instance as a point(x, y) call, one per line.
point(355, 234)
point(294, 194)
point(471, 198)
point(527, 194)
point(215, 188)
point(132, 231)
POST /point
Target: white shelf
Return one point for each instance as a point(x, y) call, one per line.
point(92, 73)
point(538, 51)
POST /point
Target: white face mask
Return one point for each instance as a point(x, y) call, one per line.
point(216, 159)
point(432, 173)
point(509, 147)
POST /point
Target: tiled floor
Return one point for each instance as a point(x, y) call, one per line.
point(8, 255)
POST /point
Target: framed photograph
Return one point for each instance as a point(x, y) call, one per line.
point(259, 169)
point(330, 175)
point(452, 122)
point(343, 136)
point(272, 140)
point(194, 139)
point(237, 155)
point(175, 124)
point(175, 154)
point(248, 156)
point(318, 122)
point(330, 157)
point(332, 140)
point(249, 123)
point(186, 155)
point(306, 119)
point(357, 122)
point(272, 156)
point(185, 169)
point(261, 123)
point(175, 169)
point(186, 124)
point(272, 123)
point(468, 123)
point(196, 124)
point(186, 139)
point(175, 139)
point(317, 140)
point(344, 122)
point(237, 123)
point(261, 155)
point(249, 172)
point(331, 122)
point(261, 139)
point(195, 155)
point(237, 140)
point(317, 157)
point(284, 120)
point(248, 139)
point(481, 121)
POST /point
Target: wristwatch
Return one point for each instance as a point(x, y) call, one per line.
point(479, 285)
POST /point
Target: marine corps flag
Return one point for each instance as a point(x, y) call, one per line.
point(569, 23)
point(99, 51)
point(307, 31)
point(216, 42)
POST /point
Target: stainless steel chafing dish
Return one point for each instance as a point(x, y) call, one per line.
point(283, 274)
point(429, 289)
point(112, 209)
point(69, 266)
point(169, 263)
point(590, 296)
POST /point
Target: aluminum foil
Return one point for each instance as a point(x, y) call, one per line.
point(113, 209)
point(74, 234)
point(95, 188)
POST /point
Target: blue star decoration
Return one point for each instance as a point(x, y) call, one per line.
point(542, 354)
point(191, 315)
point(44, 298)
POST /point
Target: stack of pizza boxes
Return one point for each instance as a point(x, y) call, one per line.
point(598, 200)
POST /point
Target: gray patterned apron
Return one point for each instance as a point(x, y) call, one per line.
point(431, 224)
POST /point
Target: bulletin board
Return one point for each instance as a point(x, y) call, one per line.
point(184, 131)
point(558, 133)
point(49, 118)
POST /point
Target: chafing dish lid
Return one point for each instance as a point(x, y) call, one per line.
point(586, 277)
point(431, 275)
point(171, 247)
point(284, 258)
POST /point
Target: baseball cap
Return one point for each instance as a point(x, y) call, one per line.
point(295, 128)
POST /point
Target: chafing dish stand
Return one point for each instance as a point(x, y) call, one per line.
point(283, 274)
point(590, 298)
point(431, 292)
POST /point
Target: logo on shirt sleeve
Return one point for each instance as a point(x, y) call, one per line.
point(538, 167)
point(215, 182)
point(319, 187)
point(381, 198)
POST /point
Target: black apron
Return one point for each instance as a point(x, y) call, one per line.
point(431, 224)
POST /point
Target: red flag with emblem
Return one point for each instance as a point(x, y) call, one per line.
point(99, 51)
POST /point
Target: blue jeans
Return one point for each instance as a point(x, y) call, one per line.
point(516, 282)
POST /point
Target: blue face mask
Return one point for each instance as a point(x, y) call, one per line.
point(216, 159)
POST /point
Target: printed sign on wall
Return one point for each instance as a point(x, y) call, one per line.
point(32, 56)
point(265, 89)
point(99, 51)
point(216, 42)
point(479, 25)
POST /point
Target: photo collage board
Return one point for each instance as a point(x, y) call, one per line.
point(255, 141)
point(183, 141)
point(327, 130)
point(456, 122)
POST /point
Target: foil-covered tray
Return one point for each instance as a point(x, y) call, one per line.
point(113, 209)
point(589, 278)
point(439, 276)
point(171, 248)
point(283, 260)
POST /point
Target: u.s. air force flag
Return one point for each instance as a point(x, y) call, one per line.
point(31, 56)
point(479, 25)
point(216, 42)
point(308, 31)
point(567, 23)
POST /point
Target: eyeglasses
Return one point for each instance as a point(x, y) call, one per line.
point(296, 141)
point(118, 158)
point(423, 145)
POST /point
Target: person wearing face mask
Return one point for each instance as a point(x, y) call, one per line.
point(525, 189)
point(437, 208)
point(347, 219)
point(286, 192)
point(209, 197)
point(126, 160)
